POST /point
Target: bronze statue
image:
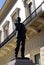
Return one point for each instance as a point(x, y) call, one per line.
point(20, 27)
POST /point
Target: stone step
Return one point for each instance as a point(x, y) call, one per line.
point(21, 61)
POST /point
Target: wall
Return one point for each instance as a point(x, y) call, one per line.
point(20, 5)
point(33, 45)
point(22, 14)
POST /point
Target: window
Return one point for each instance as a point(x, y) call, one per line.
point(6, 28)
point(28, 7)
point(30, 4)
point(37, 59)
point(14, 16)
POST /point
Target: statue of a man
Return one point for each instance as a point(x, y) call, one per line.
point(20, 27)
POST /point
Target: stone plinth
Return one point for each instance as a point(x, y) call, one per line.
point(20, 61)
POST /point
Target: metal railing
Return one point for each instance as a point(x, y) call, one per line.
point(35, 13)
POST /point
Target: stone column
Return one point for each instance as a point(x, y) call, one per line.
point(42, 55)
point(34, 6)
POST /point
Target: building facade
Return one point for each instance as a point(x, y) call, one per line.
point(32, 15)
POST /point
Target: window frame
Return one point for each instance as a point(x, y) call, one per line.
point(35, 57)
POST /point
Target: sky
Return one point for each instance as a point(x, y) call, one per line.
point(2, 3)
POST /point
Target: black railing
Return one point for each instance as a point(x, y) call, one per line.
point(35, 13)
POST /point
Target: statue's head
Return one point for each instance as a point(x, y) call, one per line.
point(19, 19)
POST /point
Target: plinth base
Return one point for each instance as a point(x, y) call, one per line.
point(21, 61)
